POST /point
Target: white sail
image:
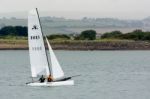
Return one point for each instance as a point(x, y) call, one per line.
point(56, 70)
point(37, 53)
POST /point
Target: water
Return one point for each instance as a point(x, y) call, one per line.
point(105, 75)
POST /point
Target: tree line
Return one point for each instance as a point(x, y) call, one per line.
point(14, 31)
point(91, 35)
point(23, 31)
point(84, 35)
point(134, 35)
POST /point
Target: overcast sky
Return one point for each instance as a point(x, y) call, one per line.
point(123, 9)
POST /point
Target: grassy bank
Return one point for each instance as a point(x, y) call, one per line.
point(104, 44)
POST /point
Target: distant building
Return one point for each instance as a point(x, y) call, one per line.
point(98, 35)
point(73, 35)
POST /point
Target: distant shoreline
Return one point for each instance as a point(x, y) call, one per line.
point(80, 45)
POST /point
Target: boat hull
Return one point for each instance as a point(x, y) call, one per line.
point(48, 84)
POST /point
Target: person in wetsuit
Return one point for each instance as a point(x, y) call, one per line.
point(42, 79)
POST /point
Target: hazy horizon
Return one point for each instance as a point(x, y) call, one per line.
point(24, 14)
point(76, 9)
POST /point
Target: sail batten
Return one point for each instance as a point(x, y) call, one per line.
point(37, 52)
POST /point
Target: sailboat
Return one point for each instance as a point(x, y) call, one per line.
point(43, 63)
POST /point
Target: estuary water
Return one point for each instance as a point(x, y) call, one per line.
point(105, 75)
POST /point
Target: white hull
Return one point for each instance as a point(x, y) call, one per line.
point(48, 84)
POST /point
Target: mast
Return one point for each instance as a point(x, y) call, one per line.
point(44, 43)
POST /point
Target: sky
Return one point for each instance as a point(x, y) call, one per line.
point(123, 9)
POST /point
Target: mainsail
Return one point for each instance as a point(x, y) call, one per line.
point(38, 57)
point(56, 70)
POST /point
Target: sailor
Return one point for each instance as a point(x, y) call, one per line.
point(49, 78)
point(42, 79)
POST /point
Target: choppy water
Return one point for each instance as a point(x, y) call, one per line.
point(105, 75)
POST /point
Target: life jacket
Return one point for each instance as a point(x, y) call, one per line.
point(49, 79)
